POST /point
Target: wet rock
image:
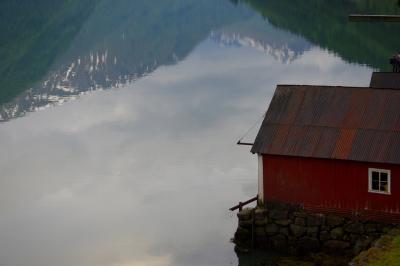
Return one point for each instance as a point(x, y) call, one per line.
point(336, 247)
point(284, 231)
point(246, 224)
point(380, 227)
point(245, 214)
point(292, 240)
point(312, 231)
point(279, 242)
point(308, 244)
point(241, 250)
point(242, 234)
point(284, 222)
point(297, 230)
point(278, 214)
point(261, 242)
point(370, 227)
point(260, 213)
point(325, 228)
point(314, 220)
point(300, 214)
point(362, 244)
point(300, 221)
point(354, 238)
point(271, 229)
point(334, 220)
point(337, 233)
point(261, 222)
point(324, 236)
point(293, 251)
point(354, 228)
point(259, 231)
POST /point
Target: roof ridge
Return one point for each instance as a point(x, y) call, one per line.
point(336, 86)
point(350, 128)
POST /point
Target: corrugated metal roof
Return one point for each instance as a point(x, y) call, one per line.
point(388, 80)
point(349, 123)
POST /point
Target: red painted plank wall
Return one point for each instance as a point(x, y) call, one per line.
point(330, 185)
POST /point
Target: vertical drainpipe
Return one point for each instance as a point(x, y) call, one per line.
point(260, 180)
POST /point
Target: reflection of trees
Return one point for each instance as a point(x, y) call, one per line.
point(118, 42)
point(33, 33)
point(325, 23)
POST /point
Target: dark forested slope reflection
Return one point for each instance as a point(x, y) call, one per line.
point(119, 42)
point(325, 22)
point(33, 33)
point(55, 51)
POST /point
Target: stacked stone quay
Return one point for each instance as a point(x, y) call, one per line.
point(295, 231)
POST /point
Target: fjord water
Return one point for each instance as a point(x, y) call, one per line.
point(120, 120)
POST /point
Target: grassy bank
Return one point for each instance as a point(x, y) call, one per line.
point(385, 252)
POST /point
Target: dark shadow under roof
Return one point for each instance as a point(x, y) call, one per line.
point(349, 123)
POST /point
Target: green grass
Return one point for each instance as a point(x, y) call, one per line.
point(388, 256)
point(386, 252)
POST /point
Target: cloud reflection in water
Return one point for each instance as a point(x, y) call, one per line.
point(144, 174)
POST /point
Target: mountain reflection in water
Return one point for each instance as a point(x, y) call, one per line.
point(118, 43)
point(114, 43)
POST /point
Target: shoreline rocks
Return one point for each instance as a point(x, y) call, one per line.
point(290, 229)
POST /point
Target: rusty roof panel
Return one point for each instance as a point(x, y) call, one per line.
point(279, 140)
point(374, 109)
point(291, 142)
point(344, 144)
point(283, 107)
point(397, 124)
point(329, 102)
point(361, 124)
point(326, 143)
point(393, 152)
point(305, 112)
point(310, 141)
point(356, 108)
point(390, 114)
point(269, 137)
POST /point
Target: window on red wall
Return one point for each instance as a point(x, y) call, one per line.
point(379, 181)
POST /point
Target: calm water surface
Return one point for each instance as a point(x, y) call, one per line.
point(120, 150)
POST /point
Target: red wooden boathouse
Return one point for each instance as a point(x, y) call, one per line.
point(333, 149)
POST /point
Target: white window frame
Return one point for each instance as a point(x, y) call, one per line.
point(370, 170)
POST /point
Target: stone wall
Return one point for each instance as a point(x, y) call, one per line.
point(290, 229)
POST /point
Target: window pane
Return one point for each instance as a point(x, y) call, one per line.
point(375, 183)
point(384, 177)
point(375, 175)
point(384, 187)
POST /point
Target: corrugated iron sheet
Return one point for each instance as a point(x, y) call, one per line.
point(388, 80)
point(323, 185)
point(349, 123)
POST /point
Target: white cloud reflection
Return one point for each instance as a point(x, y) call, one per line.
point(144, 175)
